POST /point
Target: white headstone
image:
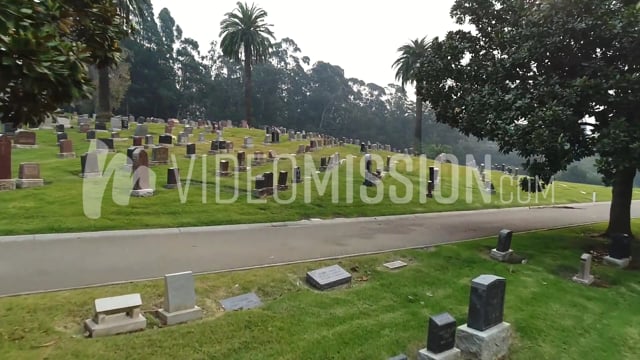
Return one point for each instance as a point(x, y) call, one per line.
point(179, 292)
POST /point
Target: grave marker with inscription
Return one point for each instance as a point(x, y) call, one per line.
point(328, 277)
point(242, 302)
point(179, 299)
point(440, 339)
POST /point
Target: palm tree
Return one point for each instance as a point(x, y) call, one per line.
point(246, 35)
point(129, 12)
point(406, 70)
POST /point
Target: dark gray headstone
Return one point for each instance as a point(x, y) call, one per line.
point(504, 240)
point(620, 247)
point(328, 277)
point(486, 302)
point(105, 144)
point(165, 139)
point(60, 128)
point(442, 333)
point(61, 136)
point(91, 135)
point(101, 126)
point(242, 302)
point(191, 149)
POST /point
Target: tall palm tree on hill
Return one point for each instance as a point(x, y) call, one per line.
point(246, 37)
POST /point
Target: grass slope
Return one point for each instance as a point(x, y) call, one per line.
point(382, 314)
point(58, 207)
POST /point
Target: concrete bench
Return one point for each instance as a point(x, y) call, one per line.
point(116, 315)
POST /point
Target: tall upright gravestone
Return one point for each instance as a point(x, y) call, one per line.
point(486, 335)
point(6, 179)
point(141, 185)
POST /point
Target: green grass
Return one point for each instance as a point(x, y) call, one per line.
point(58, 207)
point(552, 317)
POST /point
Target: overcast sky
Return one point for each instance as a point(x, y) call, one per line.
point(360, 36)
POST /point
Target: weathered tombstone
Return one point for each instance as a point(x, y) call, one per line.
point(395, 264)
point(84, 128)
point(66, 150)
point(268, 180)
point(24, 139)
point(141, 186)
point(173, 177)
point(116, 124)
point(584, 276)
point(182, 138)
point(248, 142)
point(141, 130)
point(486, 335)
point(324, 163)
point(242, 302)
point(61, 136)
point(100, 126)
point(297, 175)
point(202, 137)
point(619, 250)
point(242, 161)
point(91, 135)
point(137, 141)
point(258, 158)
point(148, 141)
point(159, 155)
point(272, 156)
point(267, 139)
point(165, 140)
point(29, 176)
point(116, 315)
point(60, 128)
point(191, 150)
point(301, 149)
point(89, 166)
point(328, 277)
point(489, 187)
point(124, 123)
point(6, 179)
point(503, 251)
point(179, 299)
point(106, 145)
point(441, 339)
point(188, 130)
point(282, 180)
point(224, 168)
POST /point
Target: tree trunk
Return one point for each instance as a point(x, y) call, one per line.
point(103, 111)
point(417, 135)
point(620, 212)
point(247, 85)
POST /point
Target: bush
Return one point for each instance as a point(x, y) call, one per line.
point(530, 184)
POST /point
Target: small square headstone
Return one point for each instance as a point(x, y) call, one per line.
point(328, 277)
point(486, 302)
point(442, 333)
point(242, 302)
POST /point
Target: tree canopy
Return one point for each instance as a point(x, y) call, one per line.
point(554, 81)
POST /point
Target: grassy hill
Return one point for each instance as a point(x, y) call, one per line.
point(211, 200)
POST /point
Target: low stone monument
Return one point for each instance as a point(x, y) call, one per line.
point(66, 150)
point(619, 251)
point(441, 339)
point(224, 168)
point(191, 150)
point(29, 176)
point(24, 140)
point(395, 265)
point(116, 315)
point(242, 302)
point(6, 179)
point(486, 335)
point(584, 276)
point(179, 299)
point(328, 277)
point(503, 251)
point(159, 155)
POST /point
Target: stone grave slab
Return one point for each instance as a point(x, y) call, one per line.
point(395, 264)
point(328, 277)
point(242, 302)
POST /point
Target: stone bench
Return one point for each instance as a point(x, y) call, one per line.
point(116, 315)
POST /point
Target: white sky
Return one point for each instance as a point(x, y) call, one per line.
point(360, 36)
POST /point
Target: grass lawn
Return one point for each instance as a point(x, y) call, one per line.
point(210, 200)
point(383, 313)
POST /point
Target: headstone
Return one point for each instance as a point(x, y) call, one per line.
point(224, 168)
point(395, 264)
point(242, 161)
point(173, 177)
point(165, 140)
point(148, 140)
point(141, 130)
point(268, 180)
point(66, 149)
point(441, 339)
point(202, 137)
point(24, 139)
point(179, 299)
point(100, 126)
point(137, 140)
point(248, 142)
point(267, 139)
point(328, 277)
point(485, 336)
point(188, 130)
point(91, 135)
point(191, 150)
point(159, 155)
point(116, 124)
point(89, 166)
point(282, 180)
point(29, 176)
point(84, 128)
point(584, 276)
point(141, 185)
point(105, 144)
point(387, 166)
point(124, 123)
point(297, 175)
point(61, 136)
point(619, 250)
point(242, 302)
point(116, 315)
point(183, 138)
point(6, 179)
point(399, 357)
point(59, 128)
point(503, 251)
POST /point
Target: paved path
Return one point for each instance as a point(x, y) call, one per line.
point(49, 262)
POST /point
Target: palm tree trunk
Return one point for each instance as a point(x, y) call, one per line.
point(417, 135)
point(247, 85)
point(620, 211)
point(103, 111)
